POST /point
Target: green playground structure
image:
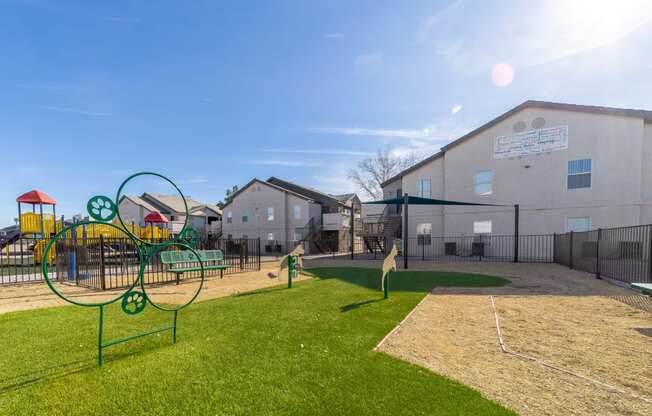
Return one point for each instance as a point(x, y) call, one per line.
point(177, 254)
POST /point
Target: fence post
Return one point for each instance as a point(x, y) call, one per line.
point(258, 256)
point(570, 256)
point(242, 254)
point(597, 254)
point(554, 247)
point(102, 269)
point(649, 257)
point(352, 232)
point(516, 214)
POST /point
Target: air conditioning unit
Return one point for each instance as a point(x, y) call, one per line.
point(477, 249)
point(450, 249)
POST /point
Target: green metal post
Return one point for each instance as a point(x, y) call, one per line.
point(291, 266)
point(386, 285)
point(99, 337)
point(174, 328)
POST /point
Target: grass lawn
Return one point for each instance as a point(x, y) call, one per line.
point(303, 351)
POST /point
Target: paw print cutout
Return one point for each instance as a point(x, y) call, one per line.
point(133, 302)
point(101, 208)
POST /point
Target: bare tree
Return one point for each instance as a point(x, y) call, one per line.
point(376, 169)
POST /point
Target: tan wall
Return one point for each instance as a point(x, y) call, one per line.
point(256, 203)
point(621, 174)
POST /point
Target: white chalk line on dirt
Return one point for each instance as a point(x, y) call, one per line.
point(506, 350)
point(396, 328)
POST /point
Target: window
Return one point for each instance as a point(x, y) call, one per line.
point(423, 188)
point(229, 217)
point(578, 224)
point(424, 232)
point(229, 236)
point(297, 236)
point(245, 218)
point(483, 182)
point(270, 236)
point(297, 212)
point(270, 214)
point(481, 227)
point(579, 173)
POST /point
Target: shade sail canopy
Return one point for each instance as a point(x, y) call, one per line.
point(156, 217)
point(36, 197)
point(415, 200)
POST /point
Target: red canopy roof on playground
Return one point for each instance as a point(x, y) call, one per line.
point(36, 197)
point(155, 217)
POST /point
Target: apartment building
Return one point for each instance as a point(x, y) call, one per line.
point(569, 167)
point(282, 213)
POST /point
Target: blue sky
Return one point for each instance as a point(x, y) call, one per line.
point(215, 93)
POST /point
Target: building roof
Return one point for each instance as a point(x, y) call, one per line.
point(271, 185)
point(139, 201)
point(343, 197)
point(174, 203)
point(613, 111)
point(171, 204)
point(36, 197)
point(314, 194)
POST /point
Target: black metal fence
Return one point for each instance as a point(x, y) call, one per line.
point(495, 248)
point(623, 254)
point(20, 261)
point(111, 263)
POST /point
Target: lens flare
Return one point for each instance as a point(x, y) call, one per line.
point(502, 74)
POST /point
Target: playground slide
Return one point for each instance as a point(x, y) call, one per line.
point(10, 238)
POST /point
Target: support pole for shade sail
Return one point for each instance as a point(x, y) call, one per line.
point(405, 231)
point(516, 214)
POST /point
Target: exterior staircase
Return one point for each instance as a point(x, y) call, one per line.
point(311, 233)
point(384, 228)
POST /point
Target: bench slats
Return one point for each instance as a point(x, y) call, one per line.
point(187, 256)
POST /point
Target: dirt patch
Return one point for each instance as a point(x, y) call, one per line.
point(39, 295)
point(561, 317)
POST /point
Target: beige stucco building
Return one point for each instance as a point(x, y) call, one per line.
point(282, 214)
point(569, 167)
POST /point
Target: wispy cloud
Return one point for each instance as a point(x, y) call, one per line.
point(334, 35)
point(51, 87)
point(421, 134)
point(75, 111)
point(285, 163)
point(193, 181)
point(317, 152)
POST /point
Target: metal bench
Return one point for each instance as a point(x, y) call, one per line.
point(180, 260)
point(645, 288)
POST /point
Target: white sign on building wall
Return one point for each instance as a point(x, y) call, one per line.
point(533, 141)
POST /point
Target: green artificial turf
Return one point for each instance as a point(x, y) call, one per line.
point(302, 351)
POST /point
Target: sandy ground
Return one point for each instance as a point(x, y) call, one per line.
point(565, 318)
point(38, 295)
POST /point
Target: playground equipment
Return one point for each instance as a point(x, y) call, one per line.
point(136, 297)
point(31, 223)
